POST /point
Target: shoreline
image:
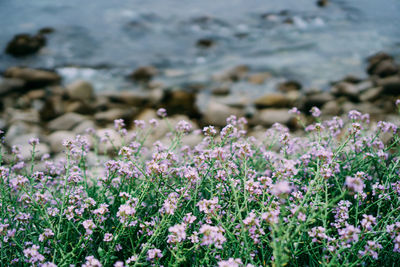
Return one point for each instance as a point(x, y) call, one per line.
point(35, 104)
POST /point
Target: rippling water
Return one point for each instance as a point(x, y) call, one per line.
point(108, 39)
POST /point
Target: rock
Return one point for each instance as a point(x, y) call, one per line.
point(346, 89)
point(259, 78)
point(132, 98)
point(191, 140)
point(374, 111)
point(36, 94)
point(322, 3)
point(46, 30)
point(80, 90)
point(11, 85)
point(18, 129)
point(371, 94)
point(205, 43)
point(267, 117)
point(40, 150)
point(391, 85)
point(289, 86)
point(25, 44)
point(381, 64)
point(316, 99)
point(52, 108)
point(352, 79)
point(273, 100)
point(114, 114)
point(147, 115)
point(57, 138)
point(232, 75)
point(80, 107)
point(216, 113)
point(33, 78)
point(3, 124)
point(29, 116)
point(105, 145)
point(331, 108)
point(65, 122)
point(364, 85)
point(144, 74)
point(385, 68)
point(223, 89)
point(180, 102)
point(83, 126)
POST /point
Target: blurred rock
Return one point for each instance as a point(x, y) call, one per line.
point(65, 122)
point(259, 78)
point(25, 44)
point(331, 108)
point(371, 94)
point(223, 89)
point(144, 74)
point(267, 117)
point(52, 108)
point(18, 129)
point(83, 126)
point(40, 150)
point(29, 116)
point(322, 3)
point(180, 102)
point(80, 90)
point(316, 99)
point(57, 138)
point(216, 113)
point(232, 75)
point(10, 85)
point(273, 100)
point(381, 64)
point(110, 115)
point(289, 86)
point(33, 78)
point(346, 89)
point(205, 43)
point(391, 85)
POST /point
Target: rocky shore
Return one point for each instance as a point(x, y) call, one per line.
point(34, 103)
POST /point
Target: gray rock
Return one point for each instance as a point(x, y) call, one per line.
point(83, 126)
point(10, 85)
point(371, 94)
point(65, 122)
point(277, 100)
point(22, 139)
point(40, 150)
point(33, 77)
point(16, 115)
point(216, 113)
point(331, 108)
point(316, 99)
point(18, 129)
point(144, 74)
point(80, 90)
point(346, 89)
point(113, 114)
point(391, 85)
point(267, 117)
point(56, 140)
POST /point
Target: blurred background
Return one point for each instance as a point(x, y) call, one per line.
point(187, 41)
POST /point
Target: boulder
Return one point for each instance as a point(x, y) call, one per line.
point(10, 85)
point(180, 102)
point(80, 107)
point(18, 129)
point(16, 115)
point(57, 138)
point(259, 78)
point(223, 89)
point(381, 64)
point(371, 94)
point(114, 114)
point(83, 126)
point(132, 98)
point(147, 115)
point(322, 3)
point(346, 89)
point(273, 100)
point(391, 85)
point(65, 122)
point(25, 44)
point(316, 99)
point(216, 113)
point(144, 74)
point(80, 90)
point(40, 150)
point(331, 108)
point(289, 86)
point(205, 43)
point(33, 78)
point(52, 108)
point(267, 117)
point(232, 75)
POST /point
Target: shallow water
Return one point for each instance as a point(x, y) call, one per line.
point(111, 38)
